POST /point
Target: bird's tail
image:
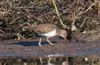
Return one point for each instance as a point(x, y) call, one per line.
point(31, 27)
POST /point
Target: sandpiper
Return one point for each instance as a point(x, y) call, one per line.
point(49, 30)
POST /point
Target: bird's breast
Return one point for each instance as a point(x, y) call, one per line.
point(50, 34)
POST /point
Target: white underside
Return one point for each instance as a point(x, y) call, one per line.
point(50, 34)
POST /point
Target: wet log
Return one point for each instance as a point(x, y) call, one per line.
point(30, 49)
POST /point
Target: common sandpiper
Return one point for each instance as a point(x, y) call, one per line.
point(49, 30)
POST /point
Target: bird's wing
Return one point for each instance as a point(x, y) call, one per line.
point(44, 28)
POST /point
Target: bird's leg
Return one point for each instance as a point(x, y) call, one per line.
point(50, 41)
point(40, 42)
point(41, 60)
point(49, 60)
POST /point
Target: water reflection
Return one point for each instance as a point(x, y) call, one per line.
point(54, 61)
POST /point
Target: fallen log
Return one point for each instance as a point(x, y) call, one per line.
point(27, 49)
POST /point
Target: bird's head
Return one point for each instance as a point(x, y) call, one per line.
point(63, 34)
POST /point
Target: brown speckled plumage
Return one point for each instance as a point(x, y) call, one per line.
point(49, 30)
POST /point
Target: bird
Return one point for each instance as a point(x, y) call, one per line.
point(49, 30)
